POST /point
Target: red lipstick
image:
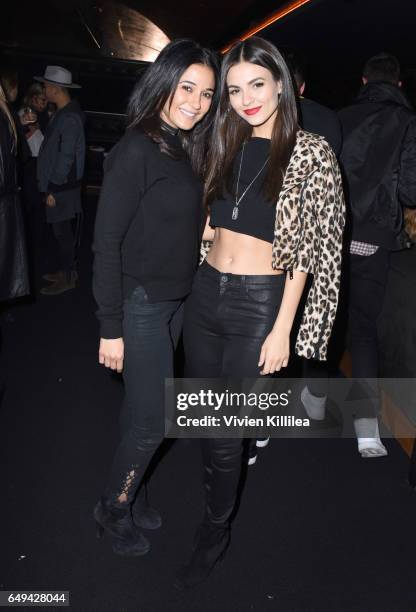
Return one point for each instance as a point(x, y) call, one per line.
point(252, 111)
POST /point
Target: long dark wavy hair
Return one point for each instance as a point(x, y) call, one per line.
point(230, 131)
point(157, 86)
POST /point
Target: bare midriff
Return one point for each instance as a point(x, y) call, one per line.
point(235, 253)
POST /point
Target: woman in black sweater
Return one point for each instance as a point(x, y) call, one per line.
point(147, 235)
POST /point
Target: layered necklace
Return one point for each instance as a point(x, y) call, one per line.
point(234, 215)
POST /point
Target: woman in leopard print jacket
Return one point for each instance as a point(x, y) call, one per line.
point(246, 293)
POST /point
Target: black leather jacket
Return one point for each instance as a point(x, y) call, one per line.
point(379, 162)
point(13, 264)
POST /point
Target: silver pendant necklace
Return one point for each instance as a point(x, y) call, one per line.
point(234, 215)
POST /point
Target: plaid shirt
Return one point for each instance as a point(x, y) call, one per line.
point(362, 248)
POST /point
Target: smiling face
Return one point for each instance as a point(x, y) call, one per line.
point(254, 96)
point(192, 99)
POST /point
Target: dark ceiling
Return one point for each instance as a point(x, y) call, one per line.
point(341, 30)
point(334, 37)
point(80, 27)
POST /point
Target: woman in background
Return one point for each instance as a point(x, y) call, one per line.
point(34, 117)
point(34, 120)
point(13, 265)
point(9, 80)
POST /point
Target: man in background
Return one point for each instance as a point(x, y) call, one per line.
point(60, 170)
point(379, 163)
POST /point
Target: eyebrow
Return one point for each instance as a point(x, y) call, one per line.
point(192, 83)
point(249, 83)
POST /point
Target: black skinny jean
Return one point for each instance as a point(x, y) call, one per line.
point(367, 286)
point(227, 319)
point(150, 332)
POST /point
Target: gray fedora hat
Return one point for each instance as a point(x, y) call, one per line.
point(57, 76)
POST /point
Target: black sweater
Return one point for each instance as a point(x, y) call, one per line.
point(148, 227)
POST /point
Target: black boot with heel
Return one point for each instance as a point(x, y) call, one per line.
point(144, 516)
point(211, 543)
point(118, 522)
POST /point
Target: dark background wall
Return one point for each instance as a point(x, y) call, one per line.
point(334, 37)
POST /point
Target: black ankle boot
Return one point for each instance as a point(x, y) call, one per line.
point(144, 516)
point(118, 523)
point(211, 543)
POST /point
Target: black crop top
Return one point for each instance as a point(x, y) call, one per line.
point(256, 215)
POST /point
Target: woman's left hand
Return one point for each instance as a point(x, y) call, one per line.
point(275, 351)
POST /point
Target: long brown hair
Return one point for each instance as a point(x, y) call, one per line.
point(230, 131)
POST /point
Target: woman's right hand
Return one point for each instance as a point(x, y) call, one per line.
point(111, 353)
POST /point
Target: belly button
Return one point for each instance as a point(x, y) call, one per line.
point(230, 260)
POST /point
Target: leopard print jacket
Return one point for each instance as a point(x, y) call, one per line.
point(310, 218)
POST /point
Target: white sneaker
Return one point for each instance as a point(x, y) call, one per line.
point(371, 447)
point(262, 442)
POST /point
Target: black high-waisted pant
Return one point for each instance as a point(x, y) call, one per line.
point(227, 319)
